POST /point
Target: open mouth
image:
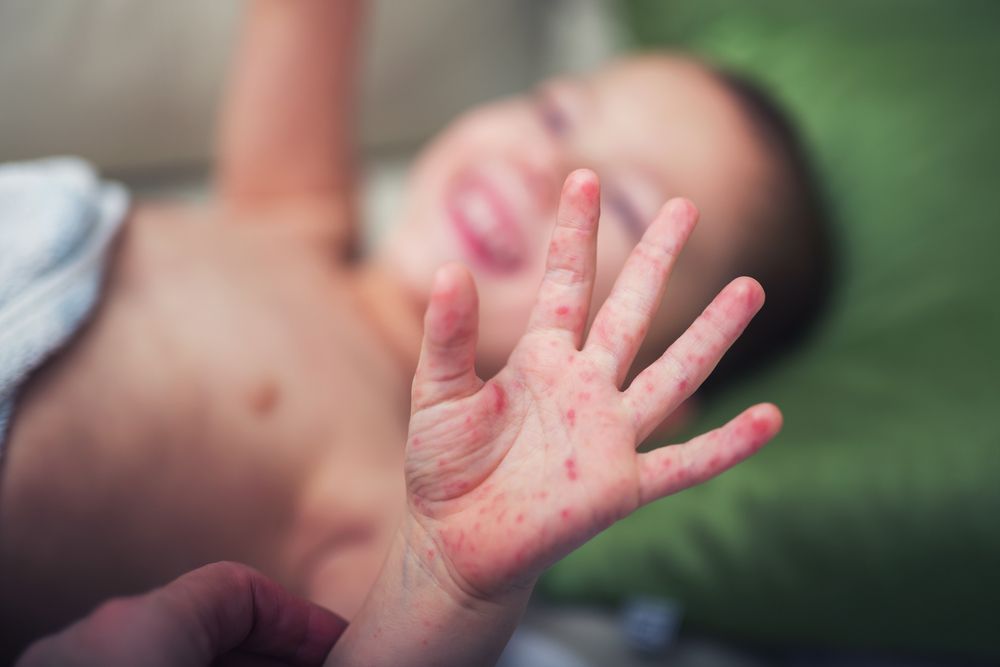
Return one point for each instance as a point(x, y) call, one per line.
point(485, 224)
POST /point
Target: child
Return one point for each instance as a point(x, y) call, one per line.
point(242, 390)
point(505, 477)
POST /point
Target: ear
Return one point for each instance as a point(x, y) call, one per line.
point(676, 422)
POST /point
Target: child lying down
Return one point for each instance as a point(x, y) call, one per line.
point(242, 389)
point(504, 477)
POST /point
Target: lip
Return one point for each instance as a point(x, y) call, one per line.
point(484, 223)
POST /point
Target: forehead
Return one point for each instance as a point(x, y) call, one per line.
point(672, 112)
point(677, 120)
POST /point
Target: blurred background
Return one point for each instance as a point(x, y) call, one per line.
point(869, 533)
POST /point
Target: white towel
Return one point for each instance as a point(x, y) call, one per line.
point(57, 221)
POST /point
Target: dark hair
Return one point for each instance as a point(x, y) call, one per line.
point(797, 265)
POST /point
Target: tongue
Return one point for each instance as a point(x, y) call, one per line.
point(481, 218)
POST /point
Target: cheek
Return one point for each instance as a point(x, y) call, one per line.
point(613, 248)
point(504, 308)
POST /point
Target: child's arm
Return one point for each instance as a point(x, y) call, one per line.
point(287, 124)
point(506, 477)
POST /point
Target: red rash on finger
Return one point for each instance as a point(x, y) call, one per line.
point(520, 518)
point(415, 442)
point(602, 331)
point(571, 471)
point(499, 399)
point(584, 396)
point(590, 190)
point(564, 513)
point(571, 417)
point(562, 310)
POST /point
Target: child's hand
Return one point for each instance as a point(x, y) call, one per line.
point(506, 477)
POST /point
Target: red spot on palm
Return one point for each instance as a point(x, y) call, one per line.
point(571, 417)
point(520, 518)
point(571, 472)
point(499, 399)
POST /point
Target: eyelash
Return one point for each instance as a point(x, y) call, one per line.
point(620, 204)
point(553, 118)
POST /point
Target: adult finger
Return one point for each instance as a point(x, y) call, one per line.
point(211, 612)
point(229, 606)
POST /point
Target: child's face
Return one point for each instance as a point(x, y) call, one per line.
point(484, 191)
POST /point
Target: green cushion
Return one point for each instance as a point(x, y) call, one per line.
point(873, 521)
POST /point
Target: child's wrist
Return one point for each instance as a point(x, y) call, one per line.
point(419, 550)
point(417, 613)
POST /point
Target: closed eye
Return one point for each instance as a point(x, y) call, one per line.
point(620, 205)
point(553, 117)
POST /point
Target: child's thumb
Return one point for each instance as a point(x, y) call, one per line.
point(446, 370)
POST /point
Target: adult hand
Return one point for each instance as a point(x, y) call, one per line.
point(220, 614)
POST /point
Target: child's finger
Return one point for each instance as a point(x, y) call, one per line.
point(676, 467)
point(564, 295)
point(446, 370)
point(623, 320)
point(679, 371)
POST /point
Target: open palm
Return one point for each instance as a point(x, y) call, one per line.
point(506, 477)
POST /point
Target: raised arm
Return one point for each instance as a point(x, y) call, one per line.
point(286, 130)
point(505, 477)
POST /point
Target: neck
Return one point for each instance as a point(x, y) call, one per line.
point(392, 313)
